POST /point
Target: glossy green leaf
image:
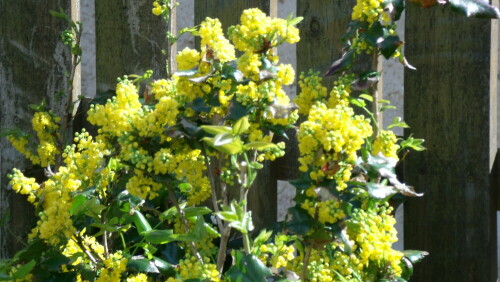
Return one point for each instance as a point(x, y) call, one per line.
point(77, 202)
point(165, 268)
point(247, 268)
point(300, 222)
point(237, 110)
point(303, 182)
point(24, 270)
point(158, 236)
point(341, 64)
point(195, 211)
point(187, 73)
point(475, 8)
point(389, 45)
point(397, 122)
point(140, 264)
point(185, 187)
point(141, 222)
point(407, 268)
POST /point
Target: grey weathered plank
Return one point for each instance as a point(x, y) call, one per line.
point(450, 102)
point(129, 40)
point(33, 61)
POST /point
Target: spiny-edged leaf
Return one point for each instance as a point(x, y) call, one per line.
point(164, 267)
point(303, 182)
point(379, 191)
point(341, 64)
point(396, 8)
point(354, 26)
point(141, 223)
point(414, 255)
point(241, 126)
point(199, 106)
point(187, 73)
point(375, 34)
point(216, 129)
point(237, 110)
point(400, 187)
point(341, 234)
point(140, 264)
point(300, 222)
point(158, 236)
point(230, 70)
point(190, 128)
point(389, 45)
point(24, 270)
point(247, 268)
point(260, 145)
point(475, 8)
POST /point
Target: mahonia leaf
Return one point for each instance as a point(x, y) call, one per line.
point(341, 64)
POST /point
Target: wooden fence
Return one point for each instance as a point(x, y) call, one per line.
point(450, 101)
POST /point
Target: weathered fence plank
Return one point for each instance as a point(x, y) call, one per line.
point(450, 102)
point(33, 62)
point(262, 198)
point(129, 39)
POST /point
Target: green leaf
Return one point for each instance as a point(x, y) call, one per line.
point(415, 144)
point(199, 106)
point(357, 102)
point(475, 8)
point(24, 270)
point(263, 236)
point(303, 182)
point(165, 268)
point(196, 211)
point(185, 187)
point(398, 8)
point(223, 139)
point(414, 255)
point(294, 21)
point(59, 14)
point(54, 262)
point(158, 236)
point(397, 122)
point(141, 222)
point(241, 126)
point(390, 44)
point(226, 143)
point(140, 264)
point(247, 268)
point(386, 107)
point(260, 145)
point(375, 34)
point(230, 70)
point(237, 110)
point(300, 222)
point(407, 268)
point(366, 97)
point(78, 201)
point(216, 129)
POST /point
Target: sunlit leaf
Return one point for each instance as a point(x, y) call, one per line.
point(475, 8)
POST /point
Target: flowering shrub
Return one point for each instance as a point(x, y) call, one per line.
point(159, 192)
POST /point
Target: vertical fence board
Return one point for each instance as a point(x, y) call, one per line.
point(129, 39)
point(324, 24)
point(448, 102)
point(33, 62)
point(262, 198)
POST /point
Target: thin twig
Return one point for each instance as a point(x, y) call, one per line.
point(307, 255)
point(375, 94)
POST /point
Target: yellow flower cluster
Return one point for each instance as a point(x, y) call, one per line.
point(311, 91)
point(163, 88)
point(386, 144)
point(259, 33)
point(213, 43)
point(341, 91)
point(374, 233)
point(190, 267)
point(72, 248)
point(329, 140)
point(325, 211)
point(143, 186)
point(249, 64)
point(370, 11)
point(187, 59)
point(141, 277)
point(114, 266)
point(277, 254)
point(24, 185)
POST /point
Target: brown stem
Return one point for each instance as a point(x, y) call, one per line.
point(89, 254)
point(307, 255)
point(374, 92)
point(221, 255)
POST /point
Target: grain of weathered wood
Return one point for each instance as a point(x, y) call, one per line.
point(448, 102)
point(129, 40)
point(32, 65)
point(262, 198)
